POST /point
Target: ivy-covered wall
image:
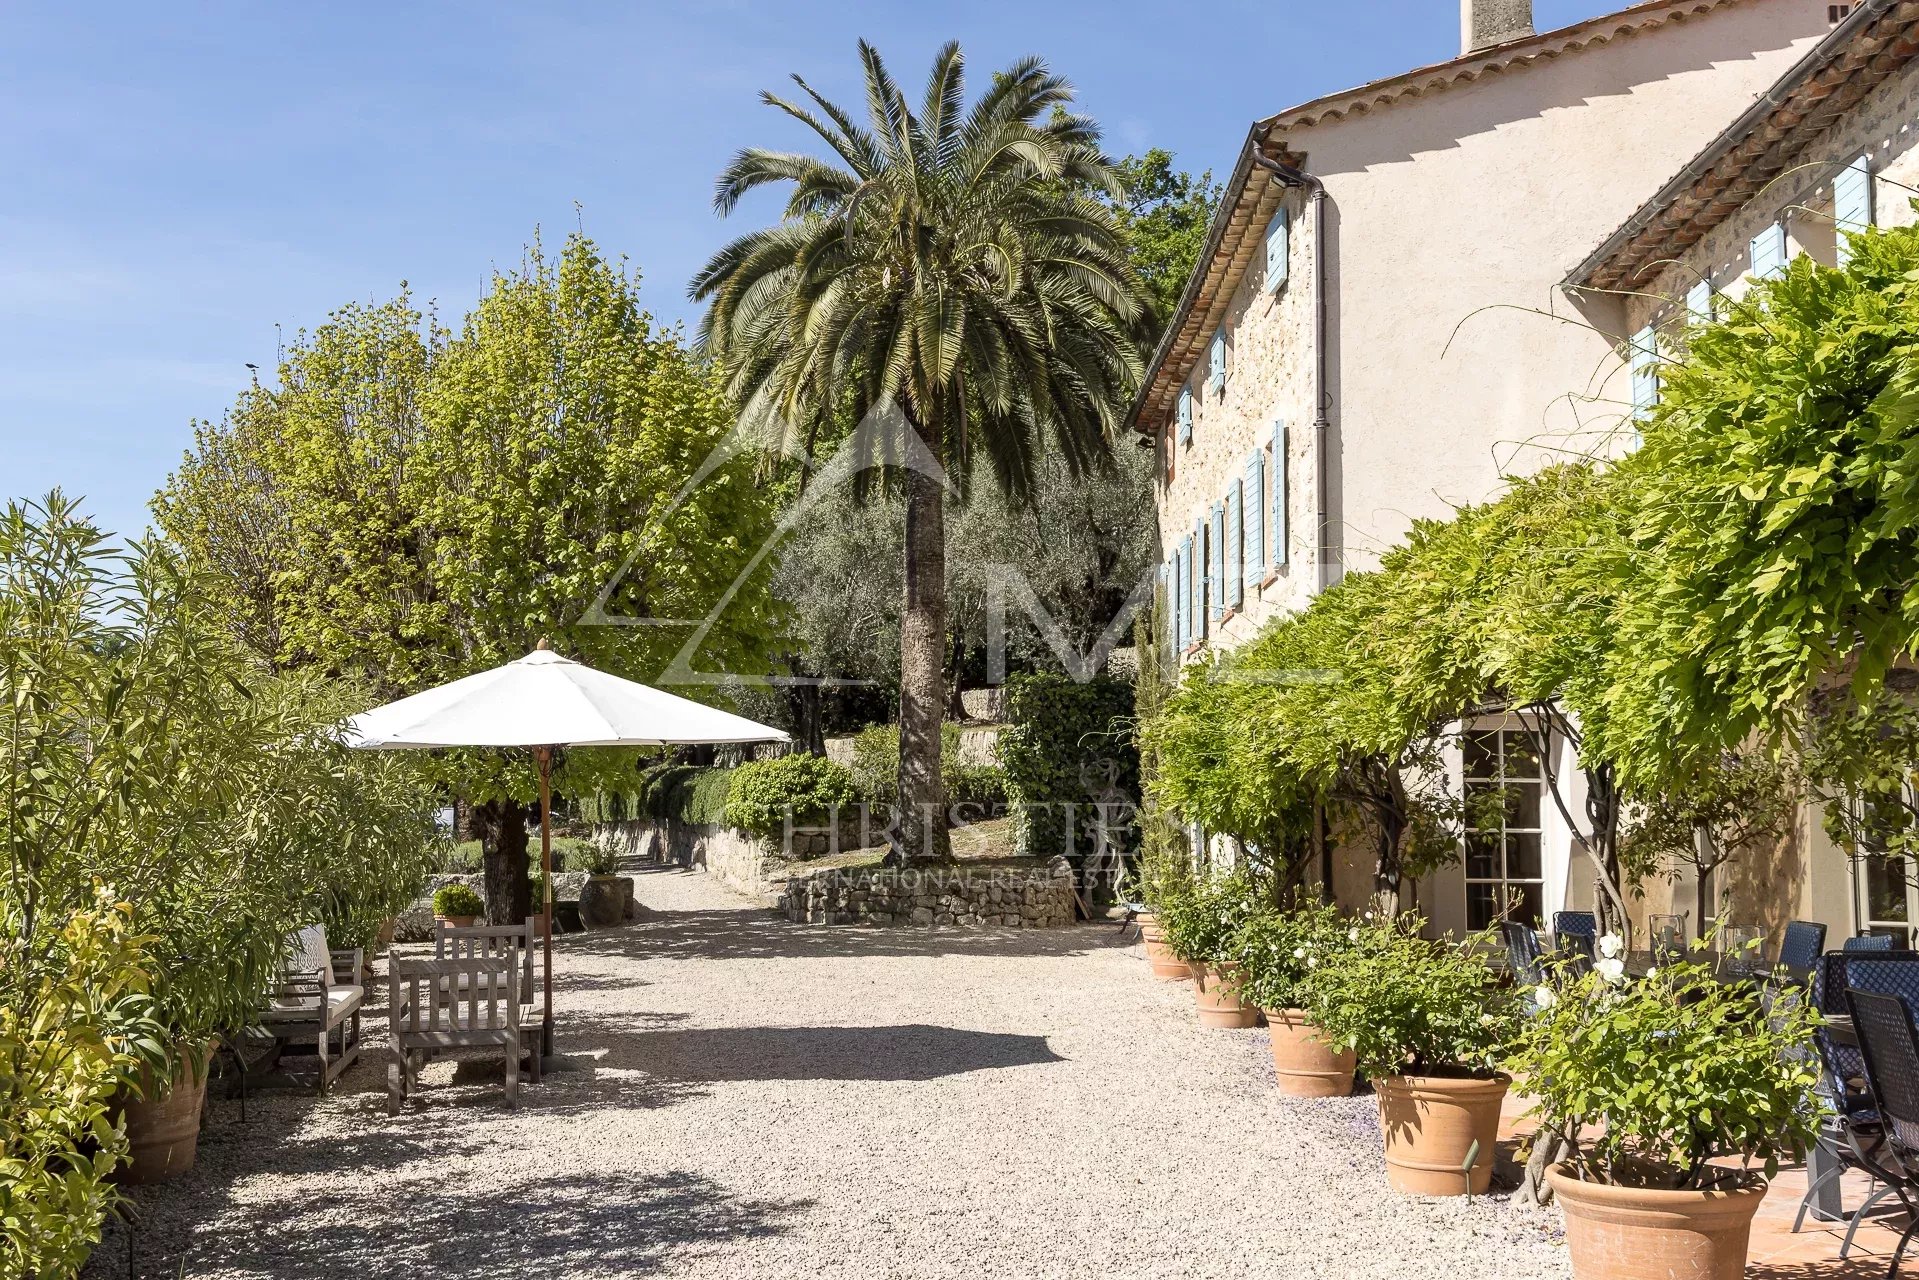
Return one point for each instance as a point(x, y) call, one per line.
point(1069, 750)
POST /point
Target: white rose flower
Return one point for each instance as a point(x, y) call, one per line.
point(1312, 962)
point(1545, 997)
point(1653, 972)
point(1368, 916)
point(1299, 953)
point(1611, 945)
point(1352, 935)
point(1612, 969)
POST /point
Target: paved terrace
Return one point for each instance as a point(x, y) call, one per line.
point(770, 1100)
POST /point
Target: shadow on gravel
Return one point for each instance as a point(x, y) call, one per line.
point(910, 1052)
point(543, 1226)
point(753, 933)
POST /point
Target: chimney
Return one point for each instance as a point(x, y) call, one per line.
point(1484, 23)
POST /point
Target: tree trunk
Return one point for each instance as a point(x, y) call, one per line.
point(803, 705)
point(509, 900)
point(923, 669)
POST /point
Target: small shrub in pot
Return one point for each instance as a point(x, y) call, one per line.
point(1200, 922)
point(1652, 1083)
point(1280, 954)
point(1426, 1022)
point(457, 904)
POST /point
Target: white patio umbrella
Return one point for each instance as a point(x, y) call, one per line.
point(545, 701)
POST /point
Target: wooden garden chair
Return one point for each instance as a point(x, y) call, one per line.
point(489, 941)
point(318, 998)
point(440, 1006)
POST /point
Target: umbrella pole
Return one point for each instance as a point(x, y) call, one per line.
point(543, 756)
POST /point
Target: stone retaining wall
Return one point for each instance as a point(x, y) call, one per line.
point(1008, 897)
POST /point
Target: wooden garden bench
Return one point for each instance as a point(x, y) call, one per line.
point(318, 997)
point(440, 1006)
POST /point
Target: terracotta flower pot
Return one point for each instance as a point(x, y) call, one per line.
point(1305, 1065)
point(1216, 992)
point(1165, 966)
point(459, 922)
point(1431, 1124)
point(163, 1122)
point(1617, 1233)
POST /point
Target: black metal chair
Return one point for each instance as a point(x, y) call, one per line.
point(1803, 942)
point(1575, 932)
point(1890, 1048)
point(1869, 942)
point(1522, 952)
point(1850, 1135)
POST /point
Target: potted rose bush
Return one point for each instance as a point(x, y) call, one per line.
point(1658, 1085)
point(1200, 924)
point(1160, 878)
point(1426, 1022)
point(1280, 953)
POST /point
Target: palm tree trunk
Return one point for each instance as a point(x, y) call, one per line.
point(923, 669)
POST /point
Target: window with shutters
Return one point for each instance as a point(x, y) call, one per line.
point(1851, 205)
point(1252, 534)
point(1196, 567)
point(1699, 303)
point(1216, 364)
point(1185, 413)
point(1185, 611)
point(1278, 252)
point(1277, 485)
point(1644, 363)
point(1235, 541)
point(1768, 250)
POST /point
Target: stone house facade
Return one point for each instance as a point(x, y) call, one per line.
point(1832, 145)
point(1375, 333)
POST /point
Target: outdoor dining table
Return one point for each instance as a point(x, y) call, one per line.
point(1725, 969)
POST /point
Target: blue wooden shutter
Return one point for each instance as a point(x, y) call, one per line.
point(1181, 586)
point(1236, 545)
point(1769, 252)
point(1216, 565)
point(1852, 203)
point(1185, 415)
point(1277, 252)
point(1644, 363)
point(1699, 303)
point(1278, 483)
point(1216, 378)
point(1252, 534)
point(1196, 593)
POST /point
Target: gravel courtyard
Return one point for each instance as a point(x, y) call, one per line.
point(770, 1100)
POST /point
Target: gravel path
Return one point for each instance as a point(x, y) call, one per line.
point(770, 1100)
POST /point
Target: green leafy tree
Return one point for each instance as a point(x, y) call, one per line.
point(409, 505)
point(1165, 213)
point(944, 264)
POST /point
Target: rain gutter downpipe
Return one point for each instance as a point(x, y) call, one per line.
point(1288, 176)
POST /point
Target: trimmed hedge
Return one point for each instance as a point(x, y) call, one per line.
point(1064, 739)
point(808, 787)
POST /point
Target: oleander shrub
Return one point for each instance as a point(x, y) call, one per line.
point(801, 789)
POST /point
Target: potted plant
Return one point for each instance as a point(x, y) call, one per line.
point(603, 896)
point(1426, 1022)
point(1279, 954)
point(1650, 1082)
point(458, 905)
point(1200, 923)
point(1161, 876)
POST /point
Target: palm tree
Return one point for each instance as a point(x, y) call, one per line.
point(959, 266)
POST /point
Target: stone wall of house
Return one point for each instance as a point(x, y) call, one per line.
point(999, 896)
point(1879, 127)
point(1269, 378)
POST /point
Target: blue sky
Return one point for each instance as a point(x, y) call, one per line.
point(175, 180)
